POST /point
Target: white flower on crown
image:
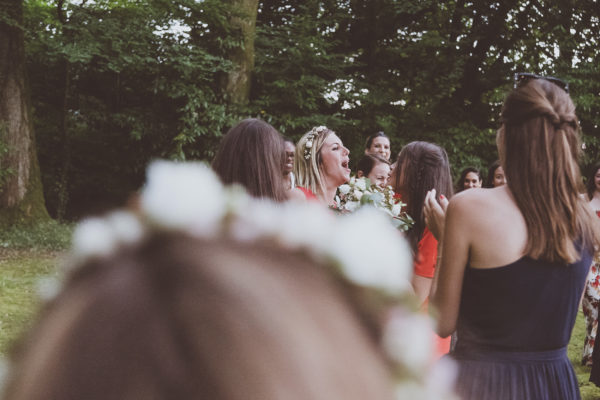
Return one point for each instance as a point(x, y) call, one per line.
point(405, 342)
point(184, 195)
point(372, 252)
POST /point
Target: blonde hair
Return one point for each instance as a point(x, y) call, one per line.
point(539, 146)
point(307, 161)
point(180, 318)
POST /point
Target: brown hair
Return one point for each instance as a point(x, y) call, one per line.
point(308, 172)
point(421, 166)
point(368, 162)
point(539, 146)
point(370, 139)
point(182, 318)
point(252, 154)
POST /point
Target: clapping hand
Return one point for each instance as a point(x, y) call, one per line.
point(435, 213)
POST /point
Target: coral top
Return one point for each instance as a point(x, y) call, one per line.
point(308, 193)
point(426, 257)
point(424, 266)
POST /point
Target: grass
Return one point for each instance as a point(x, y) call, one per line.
point(21, 270)
point(589, 391)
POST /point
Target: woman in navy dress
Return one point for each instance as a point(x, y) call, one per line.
point(515, 258)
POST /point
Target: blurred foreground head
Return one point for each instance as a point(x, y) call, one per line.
point(221, 297)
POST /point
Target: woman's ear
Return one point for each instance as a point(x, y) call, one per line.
point(359, 174)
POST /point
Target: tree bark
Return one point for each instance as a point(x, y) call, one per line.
point(237, 82)
point(21, 196)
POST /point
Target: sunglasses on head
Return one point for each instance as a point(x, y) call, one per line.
point(523, 77)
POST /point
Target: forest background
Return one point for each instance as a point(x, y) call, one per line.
point(108, 85)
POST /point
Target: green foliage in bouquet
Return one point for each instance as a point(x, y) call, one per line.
point(359, 192)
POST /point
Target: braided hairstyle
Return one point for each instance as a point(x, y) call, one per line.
point(420, 167)
point(539, 147)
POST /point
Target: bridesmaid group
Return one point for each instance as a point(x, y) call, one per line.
point(509, 283)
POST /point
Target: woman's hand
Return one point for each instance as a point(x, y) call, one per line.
point(435, 213)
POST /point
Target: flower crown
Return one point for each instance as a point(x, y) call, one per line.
point(312, 134)
point(363, 247)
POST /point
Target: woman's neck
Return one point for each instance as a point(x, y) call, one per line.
point(327, 197)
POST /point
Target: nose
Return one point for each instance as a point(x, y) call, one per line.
point(346, 151)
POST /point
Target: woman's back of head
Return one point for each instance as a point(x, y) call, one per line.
point(539, 146)
point(420, 167)
point(176, 317)
point(252, 154)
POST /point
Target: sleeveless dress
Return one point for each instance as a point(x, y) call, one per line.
point(589, 305)
point(310, 196)
point(514, 325)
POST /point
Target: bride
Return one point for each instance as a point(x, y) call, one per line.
point(321, 165)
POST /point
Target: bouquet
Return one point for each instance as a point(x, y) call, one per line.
point(360, 191)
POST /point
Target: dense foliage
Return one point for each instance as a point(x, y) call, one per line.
point(115, 83)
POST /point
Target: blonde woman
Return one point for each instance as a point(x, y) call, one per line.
point(321, 165)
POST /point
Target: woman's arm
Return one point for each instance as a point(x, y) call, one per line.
point(447, 288)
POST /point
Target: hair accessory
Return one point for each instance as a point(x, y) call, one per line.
point(521, 78)
point(314, 132)
point(362, 248)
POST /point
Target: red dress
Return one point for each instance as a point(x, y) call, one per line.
point(424, 266)
point(308, 193)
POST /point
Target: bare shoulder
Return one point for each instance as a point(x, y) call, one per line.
point(477, 208)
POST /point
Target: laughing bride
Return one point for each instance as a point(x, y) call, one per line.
point(321, 165)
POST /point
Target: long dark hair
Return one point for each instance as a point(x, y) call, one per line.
point(489, 183)
point(591, 184)
point(539, 147)
point(460, 184)
point(421, 166)
point(252, 154)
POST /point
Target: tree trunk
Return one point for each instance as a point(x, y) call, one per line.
point(21, 196)
point(237, 82)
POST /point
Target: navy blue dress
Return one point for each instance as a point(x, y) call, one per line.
point(513, 328)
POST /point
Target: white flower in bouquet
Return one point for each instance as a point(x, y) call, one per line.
point(360, 191)
point(344, 189)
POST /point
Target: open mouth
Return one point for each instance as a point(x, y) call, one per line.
point(345, 164)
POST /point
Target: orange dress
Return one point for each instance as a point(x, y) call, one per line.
point(424, 266)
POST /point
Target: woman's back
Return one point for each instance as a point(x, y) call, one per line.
point(492, 225)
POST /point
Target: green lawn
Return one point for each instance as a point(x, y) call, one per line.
point(20, 271)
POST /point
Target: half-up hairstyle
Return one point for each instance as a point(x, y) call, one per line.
point(421, 166)
point(539, 147)
point(307, 160)
point(252, 154)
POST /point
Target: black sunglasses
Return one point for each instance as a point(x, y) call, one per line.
point(523, 77)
